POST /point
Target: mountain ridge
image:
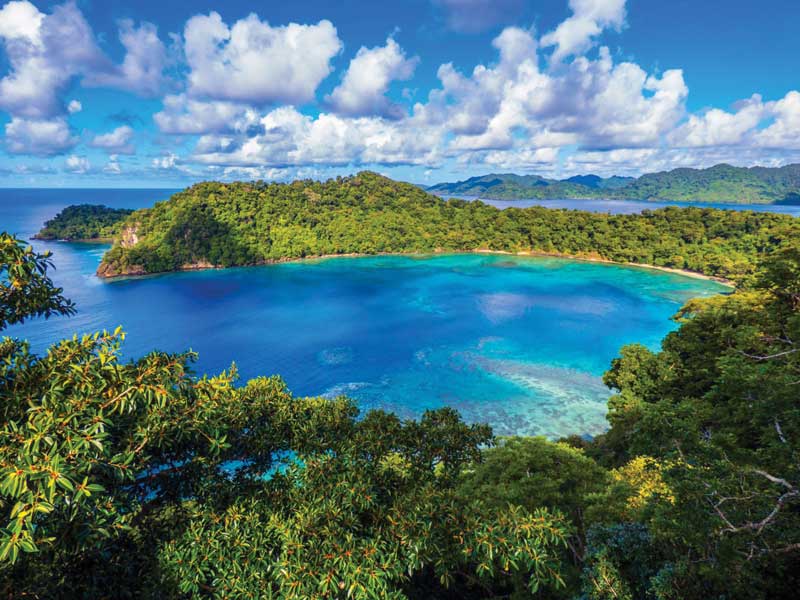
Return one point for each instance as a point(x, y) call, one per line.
point(722, 183)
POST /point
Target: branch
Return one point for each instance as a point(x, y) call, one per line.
point(769, 356)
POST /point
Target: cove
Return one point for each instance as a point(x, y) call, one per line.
point(518, 342)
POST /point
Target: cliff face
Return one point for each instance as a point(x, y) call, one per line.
point(129, 236)
point(107, 270)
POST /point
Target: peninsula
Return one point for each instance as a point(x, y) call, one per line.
point(84, 223)
point(214, 225)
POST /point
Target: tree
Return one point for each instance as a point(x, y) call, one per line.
point(140, 479)
point(25, 288)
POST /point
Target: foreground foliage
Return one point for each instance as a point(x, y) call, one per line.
point(25, 289)
point(143, 479)
point(140, 479)
point(216, 224)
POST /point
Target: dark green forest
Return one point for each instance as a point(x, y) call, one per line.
point(84, 222)
point(721, 183)
point(219, 224)
point(143, 479)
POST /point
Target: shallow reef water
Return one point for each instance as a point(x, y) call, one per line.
point(519, 342)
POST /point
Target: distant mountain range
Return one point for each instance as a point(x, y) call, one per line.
point(721, 183)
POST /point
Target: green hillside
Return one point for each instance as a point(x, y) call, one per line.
point(721, 183)
point(221, 225)
point(84, 222)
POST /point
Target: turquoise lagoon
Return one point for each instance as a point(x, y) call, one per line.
point(518, 342)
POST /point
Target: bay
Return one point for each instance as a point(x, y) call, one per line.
point(519, 342)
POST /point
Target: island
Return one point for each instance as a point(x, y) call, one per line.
point(84, 223)
point(724, 184)
point(216, 225)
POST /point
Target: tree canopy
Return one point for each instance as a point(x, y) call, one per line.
point(83, 223)
point(141, 479)
point(720, 183)
point(217, 224)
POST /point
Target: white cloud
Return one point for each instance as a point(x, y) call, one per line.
point(784, 131)
point(168, 161)
point(589, 18)
point(364, 86)
point(77, 164)
point(515, 105)
point(256, 63)
point(41, 137)
point(529, 158)
point(186, 116)
point(46, 52)
point(113, 166)
point(142, 69)
point(21, 21)
point(752, 123)
point(290, 138)
point(718, 127)
point(116, 141)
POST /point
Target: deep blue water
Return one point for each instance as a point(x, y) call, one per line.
point(519, 342)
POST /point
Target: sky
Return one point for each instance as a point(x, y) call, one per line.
point(113, 93)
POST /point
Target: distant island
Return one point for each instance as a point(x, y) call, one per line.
point(719, 184)
point(215, 225)
point(84, 223)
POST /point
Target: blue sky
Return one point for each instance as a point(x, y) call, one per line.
point(117, 93)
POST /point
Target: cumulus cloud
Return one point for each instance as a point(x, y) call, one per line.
point(531, 158)
point(46, 51)
point(719, 127)
point(77, 164)
point(116, 141)
point(784, 131)
point(589, 18)
point(751, 123)
point(253, 62)
point(40, 137)
point(474, 16)
point(169, 161)
point(113, 166)
point(553, 104)
point(364, 86)
point(142, 69)
point(592, 103)
point(290, 138)
point(509, 114)
point(186, 116)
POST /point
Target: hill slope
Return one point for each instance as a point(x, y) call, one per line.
point(84, 222)
point(220, 225)
point(721, 183)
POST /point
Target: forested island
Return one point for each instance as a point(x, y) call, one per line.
point(84, 223)
point(232, 224)
point(719, 184)
point(142, 479)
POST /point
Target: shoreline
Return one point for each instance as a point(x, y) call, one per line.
point(109, 240)
point(529, 253)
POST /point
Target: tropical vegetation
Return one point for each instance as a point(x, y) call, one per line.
point(141, 479)
point(721, 183)
point(221, 225)
point(83, 223)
